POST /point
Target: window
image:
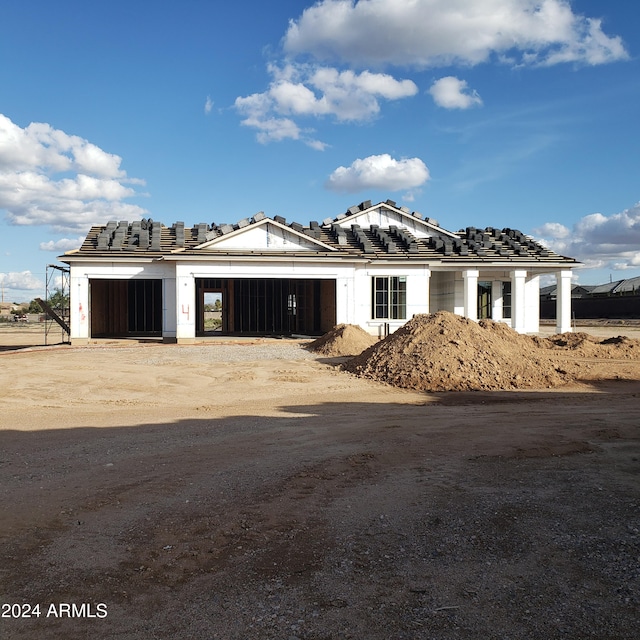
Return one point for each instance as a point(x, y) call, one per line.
point(389, 297)
point(506, 300)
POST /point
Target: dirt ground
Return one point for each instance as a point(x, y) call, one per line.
point(255, 490)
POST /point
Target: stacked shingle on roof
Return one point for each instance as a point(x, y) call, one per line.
point(152, 239)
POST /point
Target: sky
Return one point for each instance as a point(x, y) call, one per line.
point(502, 113)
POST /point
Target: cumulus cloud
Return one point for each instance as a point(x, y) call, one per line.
point(208, 105)
point(62, 245)
point(379, 172)
point(430, 33)
point(48, 177)
point(298, 91)
point(597, 240)
point(21, 281)
point(452, 93)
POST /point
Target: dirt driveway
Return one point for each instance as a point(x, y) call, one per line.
point(255, 491)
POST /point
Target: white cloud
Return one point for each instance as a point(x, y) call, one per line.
point(443, 32)
point(553, 230)
point(379, 172)
point(452, 93)
point(62, 245)
point(299, 91)
point(48, 177)
point(21, 281)
point(597, 240)
point(208, 105)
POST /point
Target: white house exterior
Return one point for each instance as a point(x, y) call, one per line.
point(374, 266)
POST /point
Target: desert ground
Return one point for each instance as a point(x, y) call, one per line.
point(253, 489)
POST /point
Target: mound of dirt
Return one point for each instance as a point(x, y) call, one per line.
point(588, 346)
point(343, 340)
point(446, 352)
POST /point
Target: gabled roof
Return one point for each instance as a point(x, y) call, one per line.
point(577, 291)
point(265, 234)
point(606, 288)
point(366, 231)
point(630, 285)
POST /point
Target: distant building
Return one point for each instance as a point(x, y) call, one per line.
point(577, 291)
point(619, 299)
point(373, 265)
point(7, 309)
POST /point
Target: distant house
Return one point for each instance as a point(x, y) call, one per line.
point(605, 289)
point(7, 309)
point(628, 287)
point(373, 265)
point(577, 291)
point(619, 299)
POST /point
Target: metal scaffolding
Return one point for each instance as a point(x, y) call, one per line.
point(57, 280)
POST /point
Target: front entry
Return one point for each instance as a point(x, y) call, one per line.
point(484, 300)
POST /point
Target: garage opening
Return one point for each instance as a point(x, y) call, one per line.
point(126, 308)
point(266, 306)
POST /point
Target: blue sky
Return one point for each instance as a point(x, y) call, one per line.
point(518, 113)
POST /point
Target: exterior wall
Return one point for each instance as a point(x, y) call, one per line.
point(187, 272)
point(79, 294)
point(418, 281)
point(426, 290)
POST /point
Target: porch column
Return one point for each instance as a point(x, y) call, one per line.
point(563, 301)
point(518, 300)
point(470, 277)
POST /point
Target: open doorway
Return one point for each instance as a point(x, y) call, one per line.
point(484, 300)
point(213, 311)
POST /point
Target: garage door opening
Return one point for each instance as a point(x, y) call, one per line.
point(265, 306)
point(125, 308)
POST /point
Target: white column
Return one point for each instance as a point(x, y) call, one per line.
point(470, 277)
point(532, 304)
point(79, 308)
point(169, 315)
point(563, 301)
point(427, 290)
point(346, 302)
point(496, 300)
point(518, 301)
point(185, 307)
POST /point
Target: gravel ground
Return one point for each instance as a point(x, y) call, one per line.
point(254, 491)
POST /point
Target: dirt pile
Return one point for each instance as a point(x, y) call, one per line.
point(446, 352)
point(588, 346)
point(343, 340)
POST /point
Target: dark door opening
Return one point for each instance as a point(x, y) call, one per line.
point(268, 306)
point(126, 308)
point(484, 300)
